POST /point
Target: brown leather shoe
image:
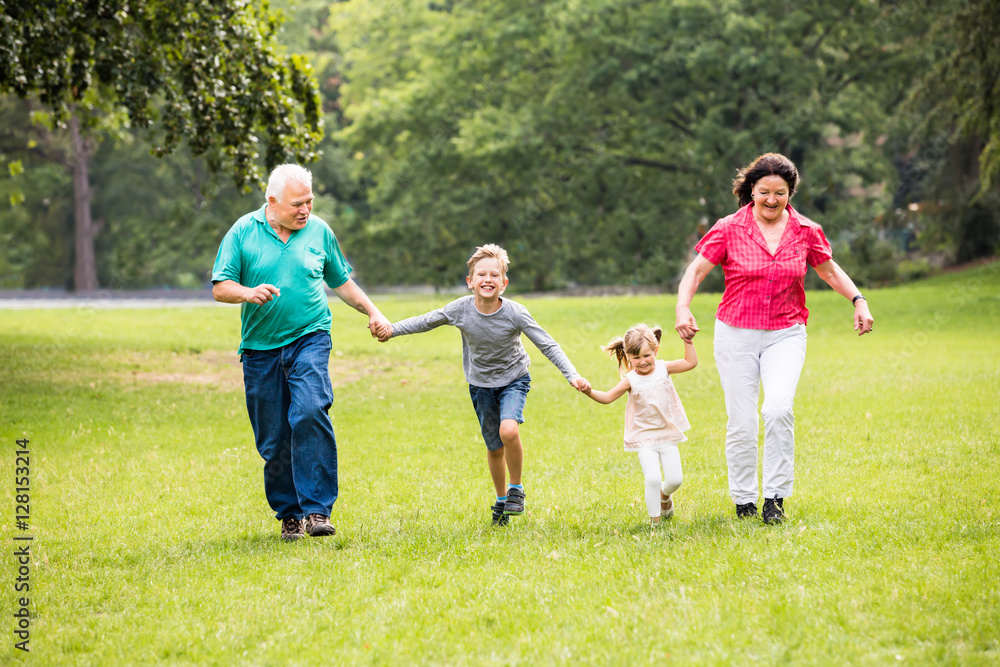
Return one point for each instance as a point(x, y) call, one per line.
point(318, 525)
point(291, 529)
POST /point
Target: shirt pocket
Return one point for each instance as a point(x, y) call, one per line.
point(314, 261)
point(793, 263)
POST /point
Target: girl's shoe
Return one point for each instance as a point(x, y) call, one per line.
point(666, 506)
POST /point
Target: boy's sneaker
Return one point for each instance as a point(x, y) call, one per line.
point(746, 510)
point(291, 529)
point(774, 510)
point(318, 525)
point(499, 518)
point(515, 502)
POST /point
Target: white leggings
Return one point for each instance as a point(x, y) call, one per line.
point(747, 359)
point(668, 482)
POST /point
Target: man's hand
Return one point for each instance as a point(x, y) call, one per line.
point(261, 294)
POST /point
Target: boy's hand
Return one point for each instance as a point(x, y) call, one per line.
point(582, 385)
point(384, 332)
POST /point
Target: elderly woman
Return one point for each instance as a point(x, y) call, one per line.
point(765, 249)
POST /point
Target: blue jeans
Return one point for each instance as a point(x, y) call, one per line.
point(494, 404)
point(288, 400)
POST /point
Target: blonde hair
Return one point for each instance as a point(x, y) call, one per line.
point(489, 250)
point(631, 343)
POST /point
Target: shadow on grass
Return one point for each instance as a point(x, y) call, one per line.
point(705, 526)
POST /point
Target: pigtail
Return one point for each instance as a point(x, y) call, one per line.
point(616, 348)
point(658, 332)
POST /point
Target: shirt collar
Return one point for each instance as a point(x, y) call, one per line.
point(259, 214)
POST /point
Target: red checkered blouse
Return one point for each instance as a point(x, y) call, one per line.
point(764, 291)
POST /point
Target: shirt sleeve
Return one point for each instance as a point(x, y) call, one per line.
point(420, 323)
point(547, 345)
point(712, 245)
point(337, 271)
point(227, 260)
point(819, 248)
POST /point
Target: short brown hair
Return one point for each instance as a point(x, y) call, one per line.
point(768, 164)
point(489, 250)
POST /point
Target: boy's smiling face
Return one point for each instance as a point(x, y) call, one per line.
point(487, 281)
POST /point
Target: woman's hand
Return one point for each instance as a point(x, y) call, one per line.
point(696, 271)
point(686, 327)
point(863, 321)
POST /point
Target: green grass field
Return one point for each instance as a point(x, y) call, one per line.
point(153, 543)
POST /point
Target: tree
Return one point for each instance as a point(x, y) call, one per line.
point(963, 87)
point(162, 218)
point(955, 147)
point(592, 138)
point(200, 72)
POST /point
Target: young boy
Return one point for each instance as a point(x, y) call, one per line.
point(496, 366)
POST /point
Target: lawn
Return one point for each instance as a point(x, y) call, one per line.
point(153, 544)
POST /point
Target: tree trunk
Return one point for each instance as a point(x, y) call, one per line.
point(85, 264)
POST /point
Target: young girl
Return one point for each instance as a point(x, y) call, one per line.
point(654, 417)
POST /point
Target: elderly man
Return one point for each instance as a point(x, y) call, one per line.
point(274, 262)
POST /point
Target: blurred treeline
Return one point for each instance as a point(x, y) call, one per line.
point(594, 139)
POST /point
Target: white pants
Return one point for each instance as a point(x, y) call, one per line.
point(671, 479)
point(746, 358)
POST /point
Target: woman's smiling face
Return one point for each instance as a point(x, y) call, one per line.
point(770, 196)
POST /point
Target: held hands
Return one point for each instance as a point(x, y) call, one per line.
point(378, 323)
point(686, 326)
point(261, 294)
point(581, 385)
point(383, 331)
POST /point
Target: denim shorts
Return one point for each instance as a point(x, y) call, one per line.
point(494, 404)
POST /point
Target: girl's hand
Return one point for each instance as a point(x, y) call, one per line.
point(686, 326)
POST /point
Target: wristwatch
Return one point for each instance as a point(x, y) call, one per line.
point(854, 301)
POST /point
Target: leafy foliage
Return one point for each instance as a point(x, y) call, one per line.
point(595, 140)
point(593, 137)
point(199, 71)
point(963, 87)
point(954, 116)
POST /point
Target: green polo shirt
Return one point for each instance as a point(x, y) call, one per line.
point(252, 254)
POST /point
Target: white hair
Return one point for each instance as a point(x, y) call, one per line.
point(280, 176)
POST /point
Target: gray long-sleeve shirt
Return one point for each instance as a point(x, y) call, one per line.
point(492, 353)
